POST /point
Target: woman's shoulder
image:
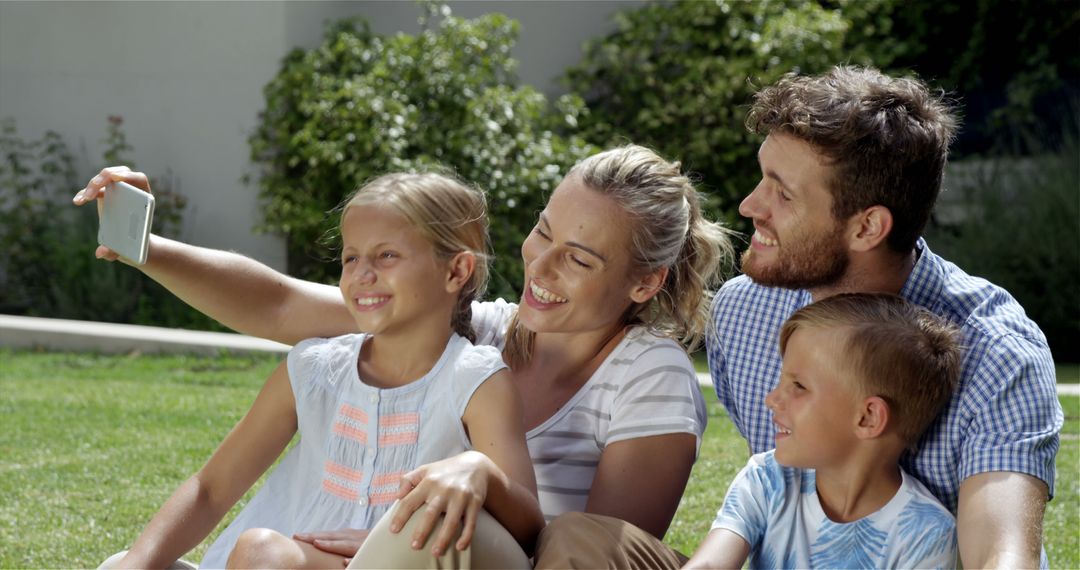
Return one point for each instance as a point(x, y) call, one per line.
point(642, 346)
point(645, 361)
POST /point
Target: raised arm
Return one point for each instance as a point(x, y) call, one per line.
point(999, 520)
point(200, 502)
point(235, 290)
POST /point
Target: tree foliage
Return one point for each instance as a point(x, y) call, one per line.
point(362, 104)
point(679, 77)
point(48, 269)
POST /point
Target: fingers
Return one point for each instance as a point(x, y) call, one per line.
point(343, 542)
point(469, 527)
point(409, 481)
point(105, 253)
point(345, 548)
point(94, 187)
point(408, 502)
point(450, 527)
point(428, 519)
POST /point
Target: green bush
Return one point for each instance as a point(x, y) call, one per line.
point(49, 269)
point(679, 76)
point(1011, 91)
point(1017, 223)
point(361, 104)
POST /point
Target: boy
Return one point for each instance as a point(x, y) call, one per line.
point(863, 376)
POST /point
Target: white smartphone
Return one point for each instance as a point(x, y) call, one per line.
point(124, 225)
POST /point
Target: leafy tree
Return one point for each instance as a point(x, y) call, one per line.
point(679, 77)
point(362, 104)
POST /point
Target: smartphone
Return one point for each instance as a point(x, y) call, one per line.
point(124, 226)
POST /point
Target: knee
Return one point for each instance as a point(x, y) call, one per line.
point(262, 548)
point(563, 527)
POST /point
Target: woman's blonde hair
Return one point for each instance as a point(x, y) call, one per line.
point(668, 230)
point(450, 214)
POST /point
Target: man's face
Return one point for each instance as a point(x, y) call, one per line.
point(797, 243)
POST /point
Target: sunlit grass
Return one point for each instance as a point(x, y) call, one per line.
point(91, 446)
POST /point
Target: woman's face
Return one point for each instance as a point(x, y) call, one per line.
point(579, 275)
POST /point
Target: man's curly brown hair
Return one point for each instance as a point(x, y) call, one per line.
point(886, 138)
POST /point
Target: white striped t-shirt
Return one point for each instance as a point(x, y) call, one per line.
point(647, 386)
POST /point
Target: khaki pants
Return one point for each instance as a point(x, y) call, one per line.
point(579, 540)
point(492, 547)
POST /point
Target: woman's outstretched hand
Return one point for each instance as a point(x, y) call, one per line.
point(456, 486)
point(344, 542)
point(95, 190)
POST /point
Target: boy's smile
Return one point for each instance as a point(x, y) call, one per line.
point(815, 406)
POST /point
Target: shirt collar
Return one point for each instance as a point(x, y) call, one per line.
point(924, 284)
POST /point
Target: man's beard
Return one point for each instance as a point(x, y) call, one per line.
point(804, 262)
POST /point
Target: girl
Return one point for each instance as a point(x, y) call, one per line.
point(369, 407)
point(618, 272)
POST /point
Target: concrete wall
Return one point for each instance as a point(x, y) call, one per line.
point(187, 79)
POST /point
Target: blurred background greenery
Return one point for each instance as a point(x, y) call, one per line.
point(676, 76)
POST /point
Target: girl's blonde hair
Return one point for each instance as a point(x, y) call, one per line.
point(668, 230)
point(451, 215)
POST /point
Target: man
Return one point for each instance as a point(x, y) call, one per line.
point(851, 165)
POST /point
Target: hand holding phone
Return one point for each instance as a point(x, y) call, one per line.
point(124, 224)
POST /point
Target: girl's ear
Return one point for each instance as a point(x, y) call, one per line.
point(459, 270)
point(873, 418)
point(649, 285)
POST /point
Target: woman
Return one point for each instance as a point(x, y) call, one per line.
point(617, 269)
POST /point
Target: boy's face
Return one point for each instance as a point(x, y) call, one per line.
point(797, 242)
point(815, 408)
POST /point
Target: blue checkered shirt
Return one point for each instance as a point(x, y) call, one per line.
point(1005, 415)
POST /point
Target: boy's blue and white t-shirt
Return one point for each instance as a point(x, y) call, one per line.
point(777, 510)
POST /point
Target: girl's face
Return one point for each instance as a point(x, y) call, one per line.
point(391, 279)
point(579, 275)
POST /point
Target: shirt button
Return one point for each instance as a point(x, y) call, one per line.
point(374, 398)
point(362, 501)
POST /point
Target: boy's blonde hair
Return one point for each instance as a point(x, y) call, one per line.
point(667, 230)
point(901, 352)
point(450, 214)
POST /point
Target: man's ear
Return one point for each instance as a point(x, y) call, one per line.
point(869, 228)
point(874, 416)
point(459, 270)
point(649, 285)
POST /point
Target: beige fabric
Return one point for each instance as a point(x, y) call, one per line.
point(492, 547)
point(579, 540)
point(111, 562)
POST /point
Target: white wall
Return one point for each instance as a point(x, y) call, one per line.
point(187, 79)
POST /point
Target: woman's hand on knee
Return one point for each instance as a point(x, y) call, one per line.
point(344, 542)
point(453, 489)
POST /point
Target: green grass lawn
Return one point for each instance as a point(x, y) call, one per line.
point(91, 446)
